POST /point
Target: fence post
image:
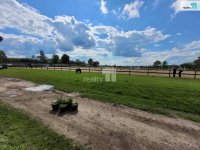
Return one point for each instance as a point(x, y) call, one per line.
point(89, 69)
point(195, 74)
point(169, 73)
point(129, 71)
point(61, 68)
point(148, 73)
point(54, 67)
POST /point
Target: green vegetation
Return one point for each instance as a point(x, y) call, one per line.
point(63, 101)
point(162, 95)
point(18, 131)
point(64, 105)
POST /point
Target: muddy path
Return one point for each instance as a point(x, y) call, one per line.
point(102, 126)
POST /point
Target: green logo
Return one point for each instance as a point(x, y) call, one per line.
point(194, 5)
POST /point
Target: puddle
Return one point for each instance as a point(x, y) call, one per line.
point(40, 88)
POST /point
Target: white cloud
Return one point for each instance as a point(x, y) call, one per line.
point(99, 54)
point(179, 34)
point(66, 34)
point(155, 3)
point(103, 7)
point(193, 46)
point(128, 43)
point(23, 45)
point(24, 19)
point(65, 31)
point(114, 12)
point(131, 10)
point(69, 33)
point(187, 53)
point(176, 7)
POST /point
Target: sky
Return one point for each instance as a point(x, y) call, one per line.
point(113, 32)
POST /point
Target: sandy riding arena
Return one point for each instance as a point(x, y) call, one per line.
point(102, 126)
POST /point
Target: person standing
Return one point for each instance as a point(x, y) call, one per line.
point(174, 72)
point(180, 72)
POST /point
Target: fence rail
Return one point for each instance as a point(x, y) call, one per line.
point(148, 72)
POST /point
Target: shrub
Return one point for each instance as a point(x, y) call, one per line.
point(69, 104)
point(64, 105)
point(69, 101)
point(74, 106)
point(55, 106)
point(61, 101)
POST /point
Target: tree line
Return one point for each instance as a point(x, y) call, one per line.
point(195, 65)
point(64, 59)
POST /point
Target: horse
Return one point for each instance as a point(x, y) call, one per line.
point(78, 70)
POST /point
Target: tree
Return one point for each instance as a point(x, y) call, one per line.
point(1, 38)
point(157, 64)
point(188, 65)
point(197, 63)
point(90, 62)
point(164, 64)
point(65, 59)
point(33, 57)
point(42, 58)
point(3, 56)
point(78, 62)
point(55, 59)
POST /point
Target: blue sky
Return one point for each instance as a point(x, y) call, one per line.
point(122, 32)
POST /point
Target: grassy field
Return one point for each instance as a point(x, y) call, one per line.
point(169, 96)
point(18, 131)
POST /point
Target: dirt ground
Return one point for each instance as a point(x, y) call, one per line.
point(103, 126)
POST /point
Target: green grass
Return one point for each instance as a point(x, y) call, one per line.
point(18, 131)
point(161, 95)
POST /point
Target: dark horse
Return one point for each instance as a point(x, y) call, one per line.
point(78, 70)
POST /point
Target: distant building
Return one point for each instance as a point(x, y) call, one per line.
point(96, 64)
